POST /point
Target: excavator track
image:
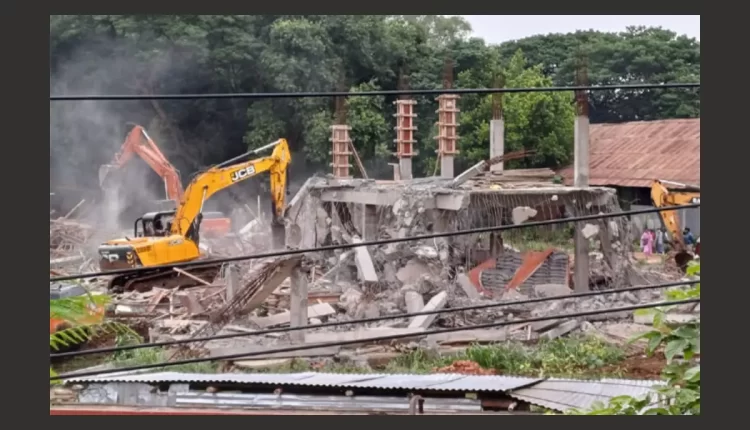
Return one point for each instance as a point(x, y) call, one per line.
point(162, 278)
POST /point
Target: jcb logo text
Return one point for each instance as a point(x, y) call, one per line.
point(241, 174)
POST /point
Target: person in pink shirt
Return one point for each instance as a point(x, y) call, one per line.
point(647, 242)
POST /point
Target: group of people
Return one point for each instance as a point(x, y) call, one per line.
point(655, 241)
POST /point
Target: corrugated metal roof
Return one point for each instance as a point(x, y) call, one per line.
point(318, 402)
point(565, 394)
point(633, 154)
point(437, 382)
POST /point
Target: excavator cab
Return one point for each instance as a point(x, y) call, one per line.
point(154, 224)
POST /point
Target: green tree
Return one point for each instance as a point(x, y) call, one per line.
point(536, 121)
point(637, 55)
point(142, 54)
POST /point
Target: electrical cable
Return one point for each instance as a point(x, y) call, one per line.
point(76, 375)
point(319, 94)
point(206, 263)
point(370, 320)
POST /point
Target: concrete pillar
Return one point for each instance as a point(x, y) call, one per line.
point(404, 169)
point(405, 136)
point(369, 222)
point(340, 151)
point(298, 304)
point(446, 166)
point(447, 133)
point(497, 143)
point(232, 279)
point(581, 179)
point(581, 152)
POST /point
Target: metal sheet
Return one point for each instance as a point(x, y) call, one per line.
point(633, 154)
point(319, 403)
point(438, 382)
point(565, 394)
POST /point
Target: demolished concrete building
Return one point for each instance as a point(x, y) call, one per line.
point(335, 211)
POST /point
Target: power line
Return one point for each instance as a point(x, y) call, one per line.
point(205, 263)
point(369, 320)
point(368, 93)
point(373, 339)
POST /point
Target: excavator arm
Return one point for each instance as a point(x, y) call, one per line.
point(139, 143)
point(226, 174)
point(662, 196)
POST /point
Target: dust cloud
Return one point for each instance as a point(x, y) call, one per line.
point(86, 134)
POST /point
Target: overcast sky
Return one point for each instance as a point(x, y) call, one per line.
point(501, 28)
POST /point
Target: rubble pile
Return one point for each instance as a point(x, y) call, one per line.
point(393, 279)
point(69, 247)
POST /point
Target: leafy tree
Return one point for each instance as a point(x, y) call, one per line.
point(144, 54)
point(637, 55)
point(539, 121)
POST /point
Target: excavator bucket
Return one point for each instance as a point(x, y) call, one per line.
point(682, 259)
point(104, 171)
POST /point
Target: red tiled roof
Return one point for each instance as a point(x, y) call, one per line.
point(633, 154)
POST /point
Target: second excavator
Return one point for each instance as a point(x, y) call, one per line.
point(138, 142)
point(679, 194)
point(168, 237)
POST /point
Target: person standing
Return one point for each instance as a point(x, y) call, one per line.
point(688, 238)
point(647, 241)
point(659, 242)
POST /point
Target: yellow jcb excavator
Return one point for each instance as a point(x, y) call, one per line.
point(679, 194)
point(170, 237)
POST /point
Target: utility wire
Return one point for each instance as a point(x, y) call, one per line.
point(369, 320)
point(76, 375)
point(369, 93)
point(206, 263)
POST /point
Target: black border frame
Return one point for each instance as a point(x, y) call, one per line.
point(26, 79)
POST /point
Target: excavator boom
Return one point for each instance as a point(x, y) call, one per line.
point(661, 197)
point(227, 174)
point(138, 142)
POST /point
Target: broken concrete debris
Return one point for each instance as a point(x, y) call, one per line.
point(392, 279)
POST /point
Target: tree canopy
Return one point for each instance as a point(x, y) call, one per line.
point(149, 54)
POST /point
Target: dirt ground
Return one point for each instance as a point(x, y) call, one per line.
point(639, 367)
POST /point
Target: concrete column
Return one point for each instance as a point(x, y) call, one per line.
point(232, 279)
point(405, 129)
point(369, 222)
point(340, 150)
point(446, 166)
point(581, 152)
point(497, 143)
point(298, 304)
point(581, 179)
point(447, 133)
point(405, 171)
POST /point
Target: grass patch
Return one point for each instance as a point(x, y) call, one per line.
point(573, 356)
point(577, 356)
point(143, 356)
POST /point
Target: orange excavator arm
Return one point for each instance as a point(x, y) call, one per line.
point(139, 143)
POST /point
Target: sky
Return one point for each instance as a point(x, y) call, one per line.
point(501, 28)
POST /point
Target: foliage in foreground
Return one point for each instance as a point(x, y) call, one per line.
point(77, 312)
point(681, 394)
